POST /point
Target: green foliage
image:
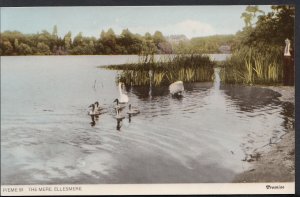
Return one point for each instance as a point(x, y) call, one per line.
point(68, 41)
point(42, 49)
point(187, 68)
point(258, 58)
point(250, 65)
point(7, 48)
point(128, 43)
point(272, 28)
point(24, 49)
point(109, 43)
point(250, 14)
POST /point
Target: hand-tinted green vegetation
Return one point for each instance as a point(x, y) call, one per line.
point(257, 50)
point(108, 43)
point(186, 68)
point(259, 55)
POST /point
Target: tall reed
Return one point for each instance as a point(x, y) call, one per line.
point(186, 68)
point(255, 66)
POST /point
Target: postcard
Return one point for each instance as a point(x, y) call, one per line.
point(124, 100)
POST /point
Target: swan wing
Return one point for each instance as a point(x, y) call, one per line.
point(123, 98)
point(176, 87)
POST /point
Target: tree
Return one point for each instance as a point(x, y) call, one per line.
point(273, 28)
point(91, 47)
point(7, 48)
point(253, 10)
point(247, 19)
point(43, 49)
point(16, 43)
point(68, 41)
point(78, 40)
point(250, 14)
point(45, 43)
point(24, 49)
point(158, 38)
point(129, 43)
point(108, 40)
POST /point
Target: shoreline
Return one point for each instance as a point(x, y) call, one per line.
point(276, 162)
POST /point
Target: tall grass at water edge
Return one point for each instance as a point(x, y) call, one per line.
point(255, 66)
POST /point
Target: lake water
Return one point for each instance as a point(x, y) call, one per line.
point(47, 138)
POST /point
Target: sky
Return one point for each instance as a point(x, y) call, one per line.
point(192, 21)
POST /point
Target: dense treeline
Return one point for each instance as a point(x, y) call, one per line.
point(259, 56)
point(45, 43)
point(108, 43)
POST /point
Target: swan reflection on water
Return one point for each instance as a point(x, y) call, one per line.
point(94, 113)
point(93, 123)
point(132, 112)
point(217, 79)
point(119, 116)
point(119, 125)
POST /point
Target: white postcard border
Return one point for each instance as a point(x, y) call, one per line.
point(149, 189)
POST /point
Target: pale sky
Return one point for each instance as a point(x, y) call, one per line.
point(193, 21)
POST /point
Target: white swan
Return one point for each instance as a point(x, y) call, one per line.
point(176, 88)
point(133, 111)
point(123, 97)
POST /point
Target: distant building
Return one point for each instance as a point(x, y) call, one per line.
point(225, 49)
point(176, 39)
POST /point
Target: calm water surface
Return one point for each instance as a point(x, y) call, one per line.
point(46, 136)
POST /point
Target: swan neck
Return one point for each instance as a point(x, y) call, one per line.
point(120, 88)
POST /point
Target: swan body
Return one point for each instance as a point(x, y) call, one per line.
point(123, 97)
point(97, 108)
point(93, 111)
point(119, 116)
point(118, 105)
point(176, 88)
point(133, 111)
point(93, 115)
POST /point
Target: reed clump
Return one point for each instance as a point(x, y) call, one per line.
point(255, 66)
point(186, 68)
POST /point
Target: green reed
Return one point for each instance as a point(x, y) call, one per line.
point(255, 66)
point(186, 68)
